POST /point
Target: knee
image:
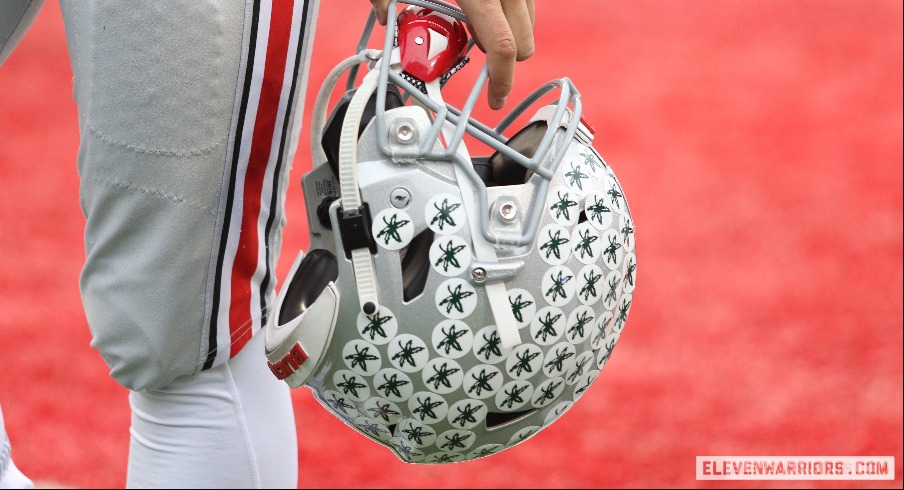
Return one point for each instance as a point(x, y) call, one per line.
point(137, 361)
point(146, 343)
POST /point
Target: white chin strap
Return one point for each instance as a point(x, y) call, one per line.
point(483, 250)
point(350, 195)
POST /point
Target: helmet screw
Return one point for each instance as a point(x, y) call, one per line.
point(400, 198)
point(508, 211)
point(405, 132)
point(479, 274)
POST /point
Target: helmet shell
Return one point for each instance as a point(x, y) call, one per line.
point(426, 375)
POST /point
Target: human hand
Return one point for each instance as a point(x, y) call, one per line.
point(503, 29)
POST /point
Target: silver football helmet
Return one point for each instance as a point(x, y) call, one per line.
point(451, 306)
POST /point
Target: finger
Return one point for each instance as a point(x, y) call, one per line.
point(380, 8)
point(520, 17)
point(496, 39)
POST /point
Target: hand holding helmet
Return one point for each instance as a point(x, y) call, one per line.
point(508, 28)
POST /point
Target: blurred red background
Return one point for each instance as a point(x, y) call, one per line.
point(760, 147)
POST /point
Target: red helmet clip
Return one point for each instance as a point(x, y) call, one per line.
point(430, 43)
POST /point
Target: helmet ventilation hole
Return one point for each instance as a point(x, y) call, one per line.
point(496, 420)
point(416, 265)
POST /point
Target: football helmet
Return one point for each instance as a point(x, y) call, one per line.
point(450, 306)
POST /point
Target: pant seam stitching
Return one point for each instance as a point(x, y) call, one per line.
point(243, 427)
point(151, 192)
point(151, 151)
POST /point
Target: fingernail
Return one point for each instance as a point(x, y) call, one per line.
point(498, 103)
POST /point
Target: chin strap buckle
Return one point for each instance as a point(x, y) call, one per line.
point(354, 228)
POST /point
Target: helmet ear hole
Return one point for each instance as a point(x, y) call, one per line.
point(416, 265)
point(318, 268)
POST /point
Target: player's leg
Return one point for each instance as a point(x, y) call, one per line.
point(10, 476)
point(187, 114)
point(185, 435)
